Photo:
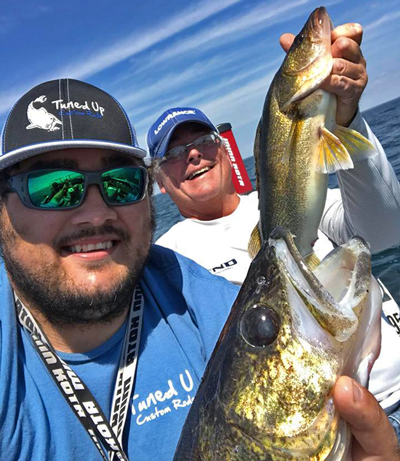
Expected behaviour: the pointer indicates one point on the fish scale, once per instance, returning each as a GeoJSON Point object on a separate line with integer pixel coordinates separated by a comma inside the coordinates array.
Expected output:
{"type": "Point", "coordinates": [266, 392]}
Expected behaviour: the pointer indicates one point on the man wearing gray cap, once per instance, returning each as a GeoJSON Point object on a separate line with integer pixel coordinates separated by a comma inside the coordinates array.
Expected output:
{"type": "Point", "coordinates": [103, 336]}
{"type": "Point", "coordinates": [103, 343]}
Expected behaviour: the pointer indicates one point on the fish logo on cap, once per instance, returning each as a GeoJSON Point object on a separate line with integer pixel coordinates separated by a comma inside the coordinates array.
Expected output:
{"type": "Point", "coordinates": [41, 118]}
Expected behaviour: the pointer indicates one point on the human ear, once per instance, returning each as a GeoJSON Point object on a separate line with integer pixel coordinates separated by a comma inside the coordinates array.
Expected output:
{"type": "Point", "coordinates": [160, 183]}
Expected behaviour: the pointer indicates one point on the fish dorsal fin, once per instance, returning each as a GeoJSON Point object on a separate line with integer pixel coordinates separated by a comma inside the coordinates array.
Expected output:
{"type": "Point", "coordinates": [256, 150]}
{"type": "Point", "coordinates": [254, 244]}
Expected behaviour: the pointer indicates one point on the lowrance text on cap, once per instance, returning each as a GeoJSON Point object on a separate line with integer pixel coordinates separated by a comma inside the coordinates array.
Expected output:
{"type": "Point", "coordinates": [64, 114]}
{"type": "Point", "coordinates": [161, 130]}
{"type": "Point", "coordinates": [172, 114]}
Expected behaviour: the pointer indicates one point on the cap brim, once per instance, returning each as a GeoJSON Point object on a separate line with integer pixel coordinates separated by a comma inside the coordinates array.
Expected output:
{"type": "Point", "coordinates": [17, 155]}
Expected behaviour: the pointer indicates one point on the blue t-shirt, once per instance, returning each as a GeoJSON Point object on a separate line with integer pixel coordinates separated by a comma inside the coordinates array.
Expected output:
{"type": "Point", "coordinates": [185, 309]}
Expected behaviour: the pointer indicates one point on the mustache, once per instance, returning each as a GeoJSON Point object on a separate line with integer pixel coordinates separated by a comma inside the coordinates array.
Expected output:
{"type": "Point", "coordinates": [105, 229]}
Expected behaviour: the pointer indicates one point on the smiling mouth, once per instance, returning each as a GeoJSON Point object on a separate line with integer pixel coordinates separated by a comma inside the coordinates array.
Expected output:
{"type": "Point", "coordinates": [91, 247]}
{"type": "Point", "coordinates": [198, 173]}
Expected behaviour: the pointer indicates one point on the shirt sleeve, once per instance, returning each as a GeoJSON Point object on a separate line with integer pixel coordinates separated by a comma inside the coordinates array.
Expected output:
{"type": "Point", "coordinates": [367, 202]}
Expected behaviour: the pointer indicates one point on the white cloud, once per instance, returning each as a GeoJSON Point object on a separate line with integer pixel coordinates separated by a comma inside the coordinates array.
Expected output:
{"type": "Point", "coordinates": [240, 106]}
{"type": "Point", "coordinates": [123, 49]}
{"type": "Point", "coordinates": [389, 17]}
{"type": "Point", "coordinates": [234, 29]}
{"type": "Point", "coordinates": [137, 43]}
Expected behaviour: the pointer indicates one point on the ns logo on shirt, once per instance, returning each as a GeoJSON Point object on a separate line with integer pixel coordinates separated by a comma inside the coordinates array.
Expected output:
{"type": "Point", "coordinates": [223, 266]}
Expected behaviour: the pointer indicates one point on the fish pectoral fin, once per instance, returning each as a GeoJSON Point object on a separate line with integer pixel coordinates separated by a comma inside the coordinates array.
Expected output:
{"type": "Point", "coordinates": [356, 144]}
{"type": "Point", "coordinates": [332, 154]}
{"type": "Point", "coordinates": [254, 243]}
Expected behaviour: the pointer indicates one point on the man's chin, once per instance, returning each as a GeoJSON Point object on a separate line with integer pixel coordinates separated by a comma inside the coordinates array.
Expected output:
{"type": "Point", "coordinates": [68, 296]}
{"type": "Point", "coordinates": [83, 304]}
{"type": "Point", "coordinates": [97, 280]}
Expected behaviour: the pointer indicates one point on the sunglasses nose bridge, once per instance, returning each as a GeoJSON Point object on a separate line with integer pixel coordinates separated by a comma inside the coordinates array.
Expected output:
{"type": "Point", "coordinates": [94, 178]}
{"type": "Point", "coordinates": [189, 147]}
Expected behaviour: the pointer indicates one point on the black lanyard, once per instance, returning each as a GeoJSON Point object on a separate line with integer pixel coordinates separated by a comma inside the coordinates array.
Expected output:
{"type": "Point", "coordinates": [77, 394]}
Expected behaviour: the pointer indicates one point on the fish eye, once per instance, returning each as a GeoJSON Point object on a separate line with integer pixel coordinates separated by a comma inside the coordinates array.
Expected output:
{"type": "Point", "coordinates": [259, 326]}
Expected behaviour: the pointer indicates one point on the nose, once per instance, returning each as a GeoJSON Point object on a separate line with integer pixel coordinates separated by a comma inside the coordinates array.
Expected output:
{"type": "Point", "coordinates": [193, 155]}
{"type": "Point", "coordinates": [94, 210]}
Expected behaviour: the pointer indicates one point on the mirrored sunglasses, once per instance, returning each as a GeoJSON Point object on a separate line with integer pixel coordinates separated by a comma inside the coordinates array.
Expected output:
{"type": "Point", "coordinates": [202, 144]}
{"type": "Point", "coordinates": [62, 189]}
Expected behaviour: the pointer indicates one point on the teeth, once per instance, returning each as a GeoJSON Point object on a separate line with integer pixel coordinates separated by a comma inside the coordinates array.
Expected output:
{"type": "Point", "coordinates": [90, 247]}
{"type": "Point", "coordinates": [196, 173]}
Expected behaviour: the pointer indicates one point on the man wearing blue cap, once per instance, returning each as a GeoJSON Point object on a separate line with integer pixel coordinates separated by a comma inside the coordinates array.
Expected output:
{"type": "Point", "coordinates": [192, 166]}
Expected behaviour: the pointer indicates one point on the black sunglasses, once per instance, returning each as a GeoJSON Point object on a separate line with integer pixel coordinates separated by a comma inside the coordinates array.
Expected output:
{"type": "Point", "coordinates": [62, 189]}
{"type": "Point", "coordinates": [202, 143]}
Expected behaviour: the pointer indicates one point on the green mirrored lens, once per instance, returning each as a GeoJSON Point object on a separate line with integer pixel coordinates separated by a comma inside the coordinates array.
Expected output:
{"type": "Point", "coordinates": [123, 185]}
{"type": "Point", "coordinates": [55, 189]}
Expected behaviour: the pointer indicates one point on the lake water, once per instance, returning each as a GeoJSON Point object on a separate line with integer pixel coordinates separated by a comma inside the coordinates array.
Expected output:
{"type": "Point", "coordinates": [385, 123]}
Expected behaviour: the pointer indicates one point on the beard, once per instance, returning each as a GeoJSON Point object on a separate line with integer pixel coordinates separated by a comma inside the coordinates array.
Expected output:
{"type": "Point", "coordinates": [67, 304]}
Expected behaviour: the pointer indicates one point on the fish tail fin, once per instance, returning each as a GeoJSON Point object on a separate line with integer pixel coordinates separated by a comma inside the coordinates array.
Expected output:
{"type": "Point", "coordinates": [356, 144]}
{"type": "Point", "coordinates": [332, 154]}
{"type": "Point", "coordinates": [254, 243]}
{"type": "Point", "coordinates": [312, 261]}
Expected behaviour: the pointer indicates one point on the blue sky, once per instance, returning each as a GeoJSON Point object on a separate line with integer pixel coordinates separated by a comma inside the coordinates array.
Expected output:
{"type": "Point", "coordinates": [218, 55]}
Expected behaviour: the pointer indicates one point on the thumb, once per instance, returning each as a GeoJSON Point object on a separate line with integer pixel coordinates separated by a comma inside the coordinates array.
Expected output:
{"type": "Point", "coordinates": [286, 41]}
{"type": "Point", "coordinates": [375, 438]}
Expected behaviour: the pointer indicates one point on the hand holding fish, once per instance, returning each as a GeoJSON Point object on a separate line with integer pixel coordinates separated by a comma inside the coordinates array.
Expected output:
{"type": "Point", "coordinates": [348, 78]}
{"type": "Point", "coordinates": [374, 436]}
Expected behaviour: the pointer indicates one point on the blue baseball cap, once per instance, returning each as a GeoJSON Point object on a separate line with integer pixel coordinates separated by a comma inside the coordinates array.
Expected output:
{"type": "Point", "coordinates": [161, 130]}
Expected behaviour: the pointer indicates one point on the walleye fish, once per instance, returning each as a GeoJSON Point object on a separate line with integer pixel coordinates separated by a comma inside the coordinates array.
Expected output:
{"type": "Point", "coordinates": [298, 142]}
{"type": "Point", "coordinates": [266, 392]}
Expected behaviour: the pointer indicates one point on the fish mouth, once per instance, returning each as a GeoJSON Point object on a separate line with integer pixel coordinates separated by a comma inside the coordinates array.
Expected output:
{"type": "Point", "coordinates": [198, 173]}
{"type": "Point", "coordinates": [331, 295]}
{"type": "Point", "coordinates": [320, 24]}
